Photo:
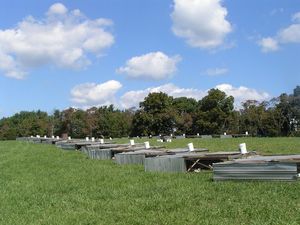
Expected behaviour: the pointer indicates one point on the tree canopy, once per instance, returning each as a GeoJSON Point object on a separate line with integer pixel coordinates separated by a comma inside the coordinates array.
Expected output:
{"type": "Point", "coordinates": [162, 114]}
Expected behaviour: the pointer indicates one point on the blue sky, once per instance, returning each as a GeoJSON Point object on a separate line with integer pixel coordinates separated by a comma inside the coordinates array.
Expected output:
{"type": "Point", "coordinates": [83, 53]}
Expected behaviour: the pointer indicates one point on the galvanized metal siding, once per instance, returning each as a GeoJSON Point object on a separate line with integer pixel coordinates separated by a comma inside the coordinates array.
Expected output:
{"type": "Point", "coordinates": [206, 136]}
{"type": "Point", "coordinates": [68, 146]}
{"type": "Point", "coordinates": [226, 136]}
{"type": "Point", "coordinates": [100, 154]}
{"type": "Point", "coordinates": [92, 147]}
{"type": "Point", "coordinates": [255, 171]}
{"type": "Point", "coordinates": [103, 154]}
{"type": "Point", "coordinates": [123, 158]}
{"type": "Point", "coordinates": [165, 164]}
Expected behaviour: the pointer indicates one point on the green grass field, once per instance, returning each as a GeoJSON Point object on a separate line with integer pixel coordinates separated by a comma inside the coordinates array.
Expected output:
{"type": "Point", "coordinates": [40, 184]}
{"type": "Point", "coordinates": [261, 145]}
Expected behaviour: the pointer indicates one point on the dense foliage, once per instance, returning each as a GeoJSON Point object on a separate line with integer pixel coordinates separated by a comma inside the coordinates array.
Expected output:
{"type": "Point", "coordinates": [163, 114]}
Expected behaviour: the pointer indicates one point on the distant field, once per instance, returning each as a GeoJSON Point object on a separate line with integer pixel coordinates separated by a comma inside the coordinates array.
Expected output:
{"type": "Point", "coordinates": [282, 145]}
{"type": "Point", "coordinates": [40, 184]}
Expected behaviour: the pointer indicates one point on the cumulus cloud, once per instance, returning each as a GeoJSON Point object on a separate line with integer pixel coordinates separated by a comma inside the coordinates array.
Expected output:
{"type": "Point", "coordinates": [216, 71]}
{"type": "Point", "coordinates": [290, 34]}
{"type": "Point", "coordinates": [152, 66]}
{"type": "Point", "coordinates": [92, 94]}
{"type": "Point", "coordinates": [287, 35]}
{"type": "Point", "coordinates": [57, 8]}
{"type": "Point", "coordinates": [10, 66]}
{"type": "Point", "coordinates": [202, 23]}
{"type": "Point", "coordinates": [63, 38]}
{"type": "Point", "coordinates": [133, 98]}
{"type": "Point", "coordinates": [242, 94]}
{"type": "Point", "coordinates": [269, 44]}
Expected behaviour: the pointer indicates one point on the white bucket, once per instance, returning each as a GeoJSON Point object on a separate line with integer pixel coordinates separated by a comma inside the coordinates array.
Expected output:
{"type": "Point", "coordinates": [131, 142]}
{"type": "Point", "coordinates": [247, 133]}
{"type": "Point", "coordinates": [225, 133]}
{"type": "Point", "coordinates": [198, 134]}
{"type": "Point", "coordinates": [45, 136]}
{"type": "Point", "coordinates": [93, 139]}
{"type": "Point", "coordinates": [147, 145]}
{"type": "Point", "coordinates": [243, 148]}
{"type": "Point", "coordinates": [69, 138]}
{"type": "Point", "coordinates": [101, 141]}
{"type": "Point", "coordinates": [191, 147]}
{"type": "Point", "coordinates": [87, 139]}
{"type": "Point", "coordinates": [57, 137]}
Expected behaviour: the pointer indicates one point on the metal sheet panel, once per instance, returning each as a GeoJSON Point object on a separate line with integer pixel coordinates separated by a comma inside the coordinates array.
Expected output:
{"type": "Point", "coordinates": [206, 136]}
{"type": "Point", "coordinates": [123, 158]}
{"type": "Point", "coordinates": [226, 136]}
{"type": "Point", "coordinates": [271, 158]}
{"type": "Point", "coordinates": [68, 146]}
{"type": "Point", "coordinates": [100, 154]}
{"type": "Point", "coordinates": [166, 164]}
{"type": "Point", "coordinates": [103, 154]}
{"type": "Point", "coordinates": [138, 156]}
{"type": "Point", "coordinates": [255, 171]}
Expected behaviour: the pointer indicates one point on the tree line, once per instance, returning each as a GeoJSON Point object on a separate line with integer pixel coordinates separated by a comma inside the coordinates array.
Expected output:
{"type": "Point", "coordinates": [160, 114]}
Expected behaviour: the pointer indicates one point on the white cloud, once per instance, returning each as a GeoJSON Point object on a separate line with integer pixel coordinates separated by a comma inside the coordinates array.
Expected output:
{"type": "Point", "coordinates": [216, 71]}
{"type": "Point", "coordinates": [10, 67]}
{"type": "Point", "coordinates": [57, 8]}
{"type": "Point", "coordinates": [153, 66]}
{"type": "Point", "coordinates": [63, 38]}
{"type": "Point", "coordinates": [288, 35]}
{"type": "Point", "coordinates": [242, 94]}
{"type": "Point", "coordinates": [268, 44]}
{"type": "Point", "coordinates": [133, 98]}
{"type": "Point", "coordinates": [92, 94]}
{"type": "Point", "coordinates": [296, 17]}
{"type": "Point", "coordinates": [202, 23]}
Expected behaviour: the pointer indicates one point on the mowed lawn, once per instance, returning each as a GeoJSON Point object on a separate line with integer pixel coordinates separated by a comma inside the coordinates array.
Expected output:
{"type": "Point", "coordinates": [40, 184]}
{"type": "Point", "coordinates": [265, 146]}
